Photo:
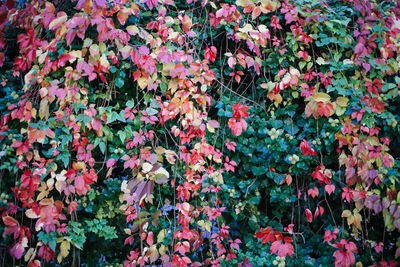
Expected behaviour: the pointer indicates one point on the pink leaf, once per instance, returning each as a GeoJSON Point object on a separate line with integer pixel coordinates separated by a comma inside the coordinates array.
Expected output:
{"type": "Point", "coordinates": [96, 124]}
{"type": "Point", "coordinates": [17, 250]}
{"type": "Point", "coordinates": [282, 249]}
{"type": "Point", "coordinates": [110, 163]}
{"type": "Point", "coordinates": [329, 188]}
{"type": "Point", "coordinates": [232, 62]}
{"type": "Point", "coordinates": [79, 183]}
{"type": "Point", "coordinates": [149, 239]}
{"type": "Point", "coordinates": [313, 192]}
{"type": "Point", "coordinates": [214, 123]}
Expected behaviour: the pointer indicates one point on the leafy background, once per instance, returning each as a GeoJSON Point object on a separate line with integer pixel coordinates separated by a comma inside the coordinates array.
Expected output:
{"type": "Point", "coordinates": [225, 138]}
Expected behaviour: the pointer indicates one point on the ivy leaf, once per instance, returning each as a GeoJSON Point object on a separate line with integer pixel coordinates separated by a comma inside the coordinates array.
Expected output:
{"type": "Point", "coordinates": [79, 183]}
{"type": "Point", "coordinates": [149, 239]}
{"type": "Point", "coordinates": [102, 147]}
{"type": "Point", "coordinates": [279, 178]}
{"type": "Point", "coordinates": [282, 248]}
{"type": "Point", "coordinates": [329, 188]}
{"type": "Point", "coordinates": [64, 250]}
{"type": "Point", "coordinates": [119, 82]}
{"type": "Point", "coordinates": [309, 215]}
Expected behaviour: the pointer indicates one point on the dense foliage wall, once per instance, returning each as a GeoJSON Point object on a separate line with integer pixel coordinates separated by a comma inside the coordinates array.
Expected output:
{"type": "Point", "coordinates": [201, 133]}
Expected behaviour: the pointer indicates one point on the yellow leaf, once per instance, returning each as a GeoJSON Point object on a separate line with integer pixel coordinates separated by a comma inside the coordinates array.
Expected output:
{"type": "Point", "coordinates": [357, 220]}
{"type": "Point", "coordinates": [161, 235]}
{"type": "Point", "coordinates": [162, 250]}
{"type": "Point", "coordinates": [263, 29]}
{"type": "Point", "coordinates": [75, 54]}
{"type": "Point", "coordinates": [162, 171]}
{"type": "Point", "coordinates": [132, 30]}
{"type": "Point", "coordinates": [350, 220]}
{"type": "Point", "coordinates": [142, 81]}
{"type": "Point", "coordinates": [241, 3]}
{"type": "Point", "coordinates": [210, 128]}
{"type": "Point", "coordinates": [147, 167]}
{"type": "Point", "coordinates": [342, 101]}
{"type": "Point", "coordinates": [42, 57]}
{"type": "Point", "coordinates": [247, 27]}
{"type": "Point", "coordinates": [321, 97]}
{"type": "Point", "coordinates": [55, 23]}
{"type": "Point", "coordinates": [94, 50]}
{"type": "Point", "coordinates": [219, 179]}
{"type": "Point", "coordinates": [64, 250]}
{"type": "Point", "coordinates": [173, 35]}
{"type": "Point", "coordinates": [127, 231]}
{"type": "Point", "coordinates": [205, 226]}
{"type": "Point", "coordinates": [87, 42]}
{"type": "Point", "coordinates": [34, 112]}
{"type": "Point", "coordinates": [44, 109]}
{"type": "Point", "coordinates": [278, 98]}
{"type": "Point", "coordinates": [28, 256]}
{"type": "Point", "coordinates": [346, 213]}
{"type": "Point", "coordinates": [42, 195]}
{"type": "Point", "coordinates": [102, 47]}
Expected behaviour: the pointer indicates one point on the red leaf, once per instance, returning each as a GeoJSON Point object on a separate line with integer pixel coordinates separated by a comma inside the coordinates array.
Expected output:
{"type": "Point", "coordinates": [237, 126]}
{"type": "Point", "coordinates": [309, 215]}
{"type": "Point", "coordinates": [210, 53]}
{"type": "Point", "coordinates": [313, 192]}
{"type": "Point", "coordinates": [266, 234]}
{"type": "Point", "coordinates": [16, 144]}
{"type": "Point", "coordinates": [240, 111]}
{"type": "Point", "coordinates": [305, 148]}
{"type": "Point", "coordinates": [319, 211]}
{"type": "Point", "coordinates": [329, 236]}
{"type": "Point", "coordinates": [13, 226]}
{"type": "Point", "coordinates": [237, 78]}
{"type": "Point", "coordinates": [282, 248]}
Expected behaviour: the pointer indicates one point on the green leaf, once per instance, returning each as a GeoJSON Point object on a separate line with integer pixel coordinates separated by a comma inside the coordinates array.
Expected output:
{"type": "Point", "coordinates": [257, 171]}
{"type": "Point", "coordinates": [102, 147]}
{"type": "Point", "coordinates": [278, 178]}
{"type": "Point", "coordinates": [119, 82]}
{"type": "Point", "coordinates": [302, 64]}
{"type": "Point", "coordinates": [276, 124]}
{"type": "Point", "coordinates": [122, 136]}
{"type": "Point", "coordinates": [113, 69]}
{"type": "Point", "coordinates": [130, 104]}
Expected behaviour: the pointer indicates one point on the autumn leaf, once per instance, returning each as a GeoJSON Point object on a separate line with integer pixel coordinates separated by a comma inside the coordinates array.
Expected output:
{"type": "Point", "coordinates": [313, 192]}
{"type": "Point", "coordinates": [266, 235]}
{"type": "Point", "coordinates": [79, 183]}
{"type": "Point", "coordinates": [149, 238]}
{"type": "Point", "coordinates": [12, 226]}
{"type": "Point", "coordinates": [309, 215]}
{"type": "Point", "coordinates": [329, 188]}
{"type": "Point", "coordinates": [283, 248]}
{"type": "Point", "coordinates": [55, 23]}
{"type": "Point", "coordinates": [64, 250]}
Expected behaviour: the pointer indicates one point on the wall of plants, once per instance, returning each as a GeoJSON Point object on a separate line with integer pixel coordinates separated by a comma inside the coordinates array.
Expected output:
{"type": "Point", "coordinates": [199, 133]}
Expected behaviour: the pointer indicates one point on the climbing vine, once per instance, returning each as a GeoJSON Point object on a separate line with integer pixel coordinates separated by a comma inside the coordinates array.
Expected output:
{"type": "Point", "coordinates": [199, 133]}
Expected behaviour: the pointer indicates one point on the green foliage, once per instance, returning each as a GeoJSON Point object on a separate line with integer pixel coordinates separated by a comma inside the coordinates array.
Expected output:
{"type": "Point", "coordinates": [151, 132]}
